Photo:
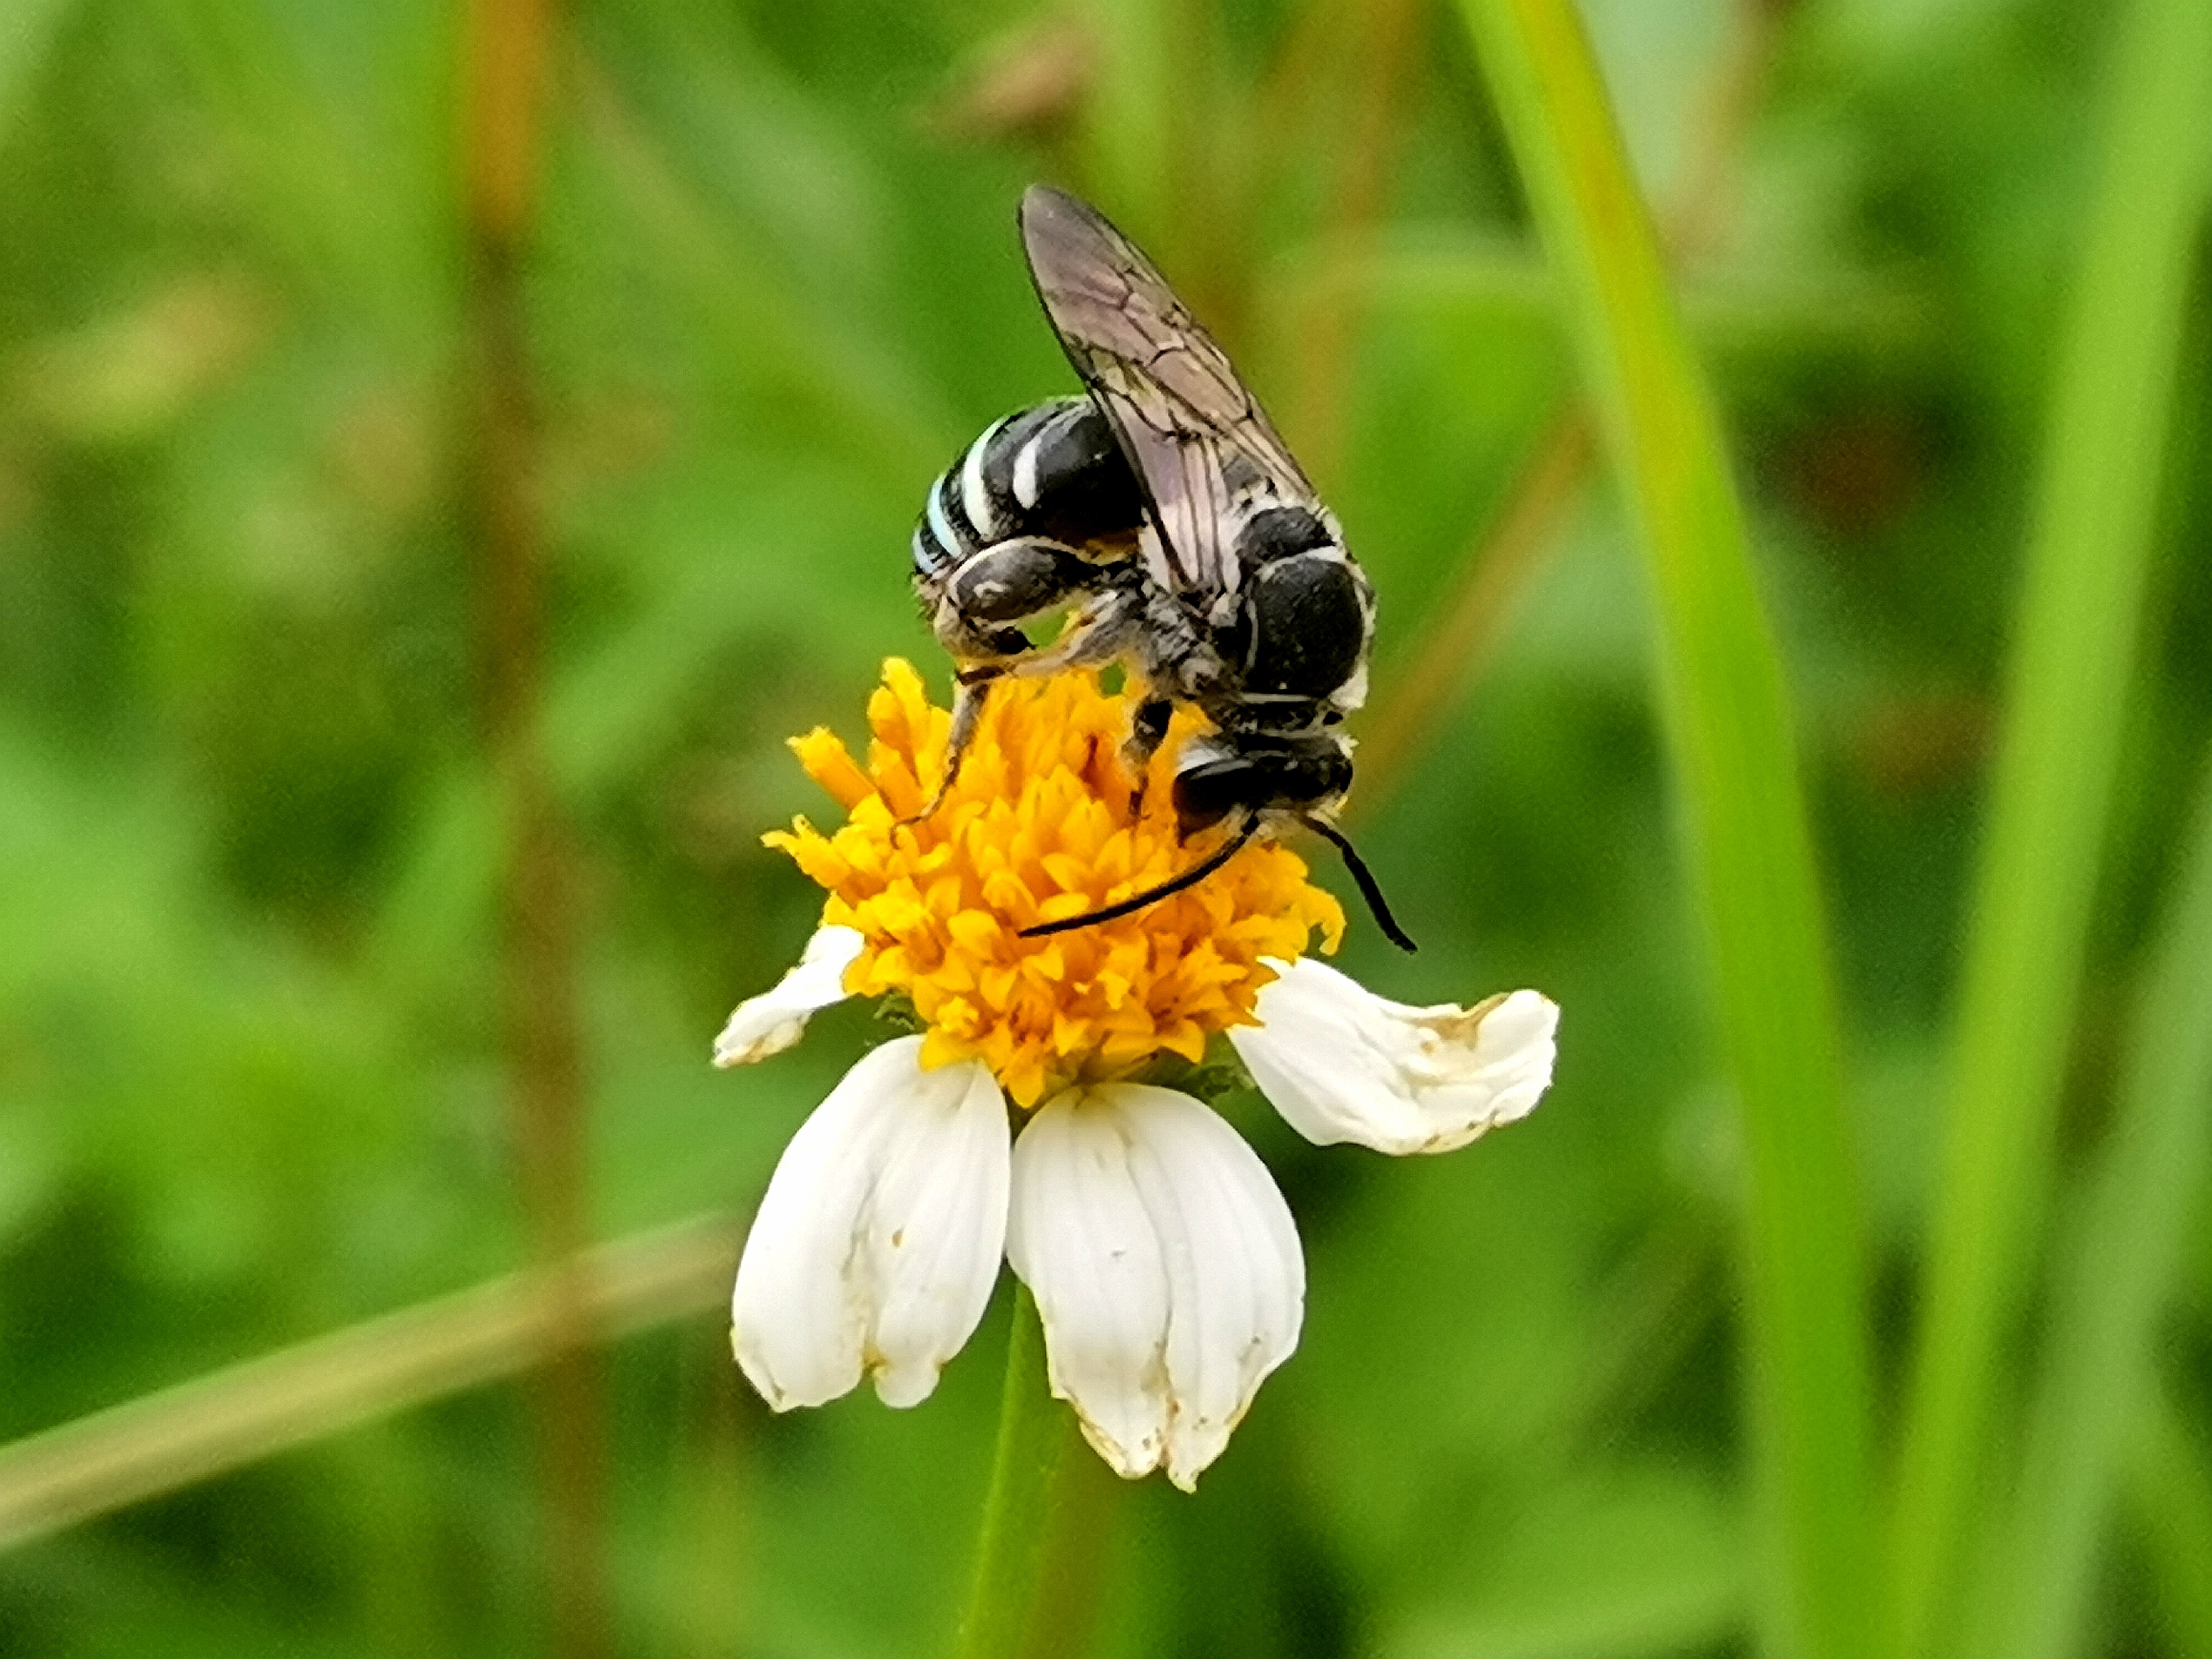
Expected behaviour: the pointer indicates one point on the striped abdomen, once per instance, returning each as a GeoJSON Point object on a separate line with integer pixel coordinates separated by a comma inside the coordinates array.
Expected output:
{"type": "Point", "coordinates": [1053, 472]}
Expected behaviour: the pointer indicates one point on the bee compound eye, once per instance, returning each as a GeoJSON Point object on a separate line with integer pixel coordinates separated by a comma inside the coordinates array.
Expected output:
{"type": "Point", "coordinates": [1206, 793]}
{"type": "Point", "coordinates": [1307, 777]}
{"type": "Point", "coordinates": [1332, 773]}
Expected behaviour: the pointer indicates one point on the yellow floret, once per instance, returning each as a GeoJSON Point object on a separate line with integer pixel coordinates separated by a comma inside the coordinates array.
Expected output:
{"type": "Point", "coordinates": [1038, 828]}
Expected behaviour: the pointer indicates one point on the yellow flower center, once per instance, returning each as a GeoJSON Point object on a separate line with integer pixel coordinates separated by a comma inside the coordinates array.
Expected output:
{"type": "Point", "coordinates": [1038, 828]}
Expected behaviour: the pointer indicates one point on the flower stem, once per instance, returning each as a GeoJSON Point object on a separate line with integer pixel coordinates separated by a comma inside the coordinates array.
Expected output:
{"type": "Point", "coordinates": [1029, 1480]}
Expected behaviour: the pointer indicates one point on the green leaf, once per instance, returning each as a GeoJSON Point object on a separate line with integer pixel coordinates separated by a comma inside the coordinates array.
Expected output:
{"type": "Point", "coordinates": [2118, 1275]}
{"type": "Point", "coordinates": [26, 34]}
{"type": "Point", "coordinates": [2073, 653]}
{"type": "Point", "coordinates": [1736, 759]}
{"type": "Point", "coordinates": [2170, 1487]}
{"type": "Point", "coordinates": [1639, 1562]}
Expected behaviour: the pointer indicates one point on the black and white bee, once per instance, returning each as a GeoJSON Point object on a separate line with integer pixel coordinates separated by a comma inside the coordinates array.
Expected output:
{"type": "Point", "coordinates": [1165, 514]}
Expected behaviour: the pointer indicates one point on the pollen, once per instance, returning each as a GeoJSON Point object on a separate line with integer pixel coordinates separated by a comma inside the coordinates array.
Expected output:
{"type": "Point", "coordinates": [1039, 827]}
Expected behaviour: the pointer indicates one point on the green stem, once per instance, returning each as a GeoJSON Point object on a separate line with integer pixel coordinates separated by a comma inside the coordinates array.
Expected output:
{"type": "Point", "coordinates": [1029, 1478]}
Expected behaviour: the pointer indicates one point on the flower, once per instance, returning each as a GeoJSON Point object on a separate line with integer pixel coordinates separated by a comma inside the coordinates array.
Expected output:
{"type": "Point", "coordinates": [1165, 1265]}
{"type": "Point", "coordinates": [1037, 827]}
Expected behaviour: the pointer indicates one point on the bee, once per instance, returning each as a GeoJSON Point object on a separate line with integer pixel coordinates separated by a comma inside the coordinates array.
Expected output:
{"type": "Point", "coordinates": [1164, 513]}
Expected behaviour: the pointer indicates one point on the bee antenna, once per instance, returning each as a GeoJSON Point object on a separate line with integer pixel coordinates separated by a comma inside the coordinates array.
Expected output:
{"type": "Point", "coordinates": [1190, 877]}
{"type": "Point", "coordinates": [1370, 888]}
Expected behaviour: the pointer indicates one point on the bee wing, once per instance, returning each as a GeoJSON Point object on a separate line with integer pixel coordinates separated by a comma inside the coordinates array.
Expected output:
{"type": "Point", "coordinates": [1192, 431]}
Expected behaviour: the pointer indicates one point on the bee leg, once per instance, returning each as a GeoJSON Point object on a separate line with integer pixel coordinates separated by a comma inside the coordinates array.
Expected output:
{"type": "Point", "coordinates": [1101, 633]}
{"type": "Point", "coordinates": [970, 687]}
{"type": "Point", "coordinates": [1148, 729]}
{"type": "Point", "coordinates": [1009, 582]}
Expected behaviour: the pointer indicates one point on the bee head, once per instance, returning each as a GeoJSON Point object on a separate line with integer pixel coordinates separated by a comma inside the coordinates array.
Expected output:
{"type": "Point", "coordinates": [1299, 776]}
{"type": "Point", "coordinates": [1252, 778]}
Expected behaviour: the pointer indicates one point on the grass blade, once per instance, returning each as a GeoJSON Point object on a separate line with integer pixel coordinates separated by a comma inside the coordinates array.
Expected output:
{"type": "Point", "coordinates": [2097, 1375]}
{"type": "Point", "coordinates": [2170, 1491]}
{"type": "Point", "coordinates": [2074, 650]}
{"type": "Point", "coordinates": [1728, 723]}
{"type": "Point", "coordinates": [293, 1397]}
{"type": "Point", "coordinates": [25, 34]}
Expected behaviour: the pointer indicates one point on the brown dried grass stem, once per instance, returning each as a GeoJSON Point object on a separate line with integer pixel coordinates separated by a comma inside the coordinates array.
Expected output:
{"type": "Point", "coordinates": [295, 1396]}
{"type": "Point", "coordinates": [1513, 544]}
{"type": "Point", "coordinates": [1381, 106]}
{"type": "Point", "coordinates": [1495, 571]}
{"type": "Point", "coordinates": [504, 91]}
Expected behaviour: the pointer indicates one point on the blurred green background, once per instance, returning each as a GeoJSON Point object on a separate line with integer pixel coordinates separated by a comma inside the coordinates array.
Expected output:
{"type": "Point", "coordinates": [256, 340]}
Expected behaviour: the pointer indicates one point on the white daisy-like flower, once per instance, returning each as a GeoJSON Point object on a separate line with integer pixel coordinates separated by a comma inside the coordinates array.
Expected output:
{"type": "Point", "coordinates": [1164, 1262]}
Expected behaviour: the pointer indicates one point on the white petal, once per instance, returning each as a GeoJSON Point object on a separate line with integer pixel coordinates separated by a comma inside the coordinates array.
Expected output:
{"type": "Point", "coordinates": [1165, 1266]}
{"type": "Point", "coordinates": [877, 1242]}
{"type": "Point", "coordinates": [1342, 1064]}
{"type": "Point", "coordinates": [771, 1022]}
